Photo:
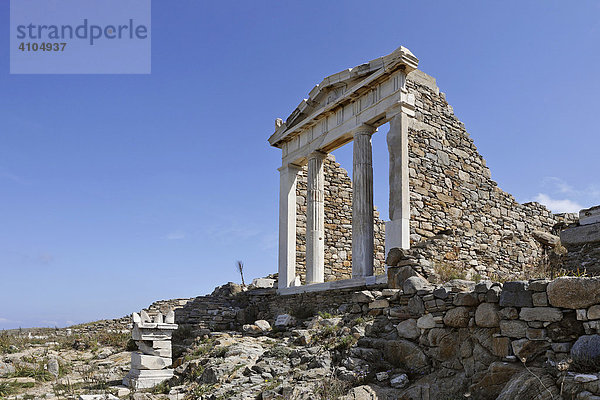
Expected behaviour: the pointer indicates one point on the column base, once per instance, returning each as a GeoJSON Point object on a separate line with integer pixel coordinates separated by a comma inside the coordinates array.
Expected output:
{"type": "Point", "coordinates": [397, 234]}
{"type": "Point", "coordinates": [146, 378]}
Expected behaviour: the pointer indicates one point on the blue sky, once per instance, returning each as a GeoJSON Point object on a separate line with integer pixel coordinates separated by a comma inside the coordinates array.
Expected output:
{"type": "Point", "coordinates": [118, 190]}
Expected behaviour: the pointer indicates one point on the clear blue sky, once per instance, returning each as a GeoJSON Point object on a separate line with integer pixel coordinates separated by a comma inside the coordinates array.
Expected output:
{"type": "Point", "coordinates": [116, 191]}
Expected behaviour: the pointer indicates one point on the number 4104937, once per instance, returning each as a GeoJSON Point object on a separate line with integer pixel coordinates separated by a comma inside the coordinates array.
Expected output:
{"type": "Point", "coordinates": [42, 46]}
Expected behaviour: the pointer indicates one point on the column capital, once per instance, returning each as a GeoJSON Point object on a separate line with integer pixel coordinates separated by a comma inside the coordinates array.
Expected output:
{"type": "Point", "coordinates": [364, 129]}
{"type": "Point", "coordinates": [317, 154]}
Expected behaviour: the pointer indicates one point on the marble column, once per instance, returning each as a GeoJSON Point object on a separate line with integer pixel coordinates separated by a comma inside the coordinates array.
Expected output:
{"type": "Point", "coordinates": [315, 219]}
{"type": "Point", "coordinates": [362, 203]}
{"type": "Point", "coordinates": [397, 230]}
{"type": "Point", "coordinates": [287, 224]}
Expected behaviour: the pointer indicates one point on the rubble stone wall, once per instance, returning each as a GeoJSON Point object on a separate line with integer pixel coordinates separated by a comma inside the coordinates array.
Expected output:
{"type": "Point", "coordinates": [481, 334]}
{"type": "Point", "coordinates": [489, 232]}
{"type": "Point", "coordinates": [338, 225]}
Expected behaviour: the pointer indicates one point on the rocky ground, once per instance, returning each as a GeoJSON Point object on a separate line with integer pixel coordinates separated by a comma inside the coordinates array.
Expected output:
{"type": "Point", "coordinates": [55, 363]}
{"type": "Point", "coordinates": [322, 356]}
{"type": "Point", "coordinates": [259, 362]}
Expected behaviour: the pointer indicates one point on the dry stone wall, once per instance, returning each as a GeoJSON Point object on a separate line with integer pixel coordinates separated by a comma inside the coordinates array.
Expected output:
{"type": "Point", "coordinates": [338, 225]}
{"type": "Point", "coordinates": [488, 232]}
{"type": "Point", "coordinates": [464, 336]}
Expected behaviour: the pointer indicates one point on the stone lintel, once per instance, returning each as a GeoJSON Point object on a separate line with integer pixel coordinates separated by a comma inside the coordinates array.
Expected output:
{"type": "Point", "coordinates": [589, 216]}
{"type": "Point", "coordinates": [581, 234]}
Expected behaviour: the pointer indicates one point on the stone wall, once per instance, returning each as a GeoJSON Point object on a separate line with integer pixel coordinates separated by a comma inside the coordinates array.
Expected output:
{"type": "Point", "coordinates": [581, 240]}
{"type": "Point", "coordinates": [488, 233]}
{"type": "Point", "coordinates": [338, 225]}
{"type": "Point", "coordinates": [464, 336]}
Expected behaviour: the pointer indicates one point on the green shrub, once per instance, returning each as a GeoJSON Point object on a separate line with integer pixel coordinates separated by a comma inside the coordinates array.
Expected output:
{"type": "Point", "coordinates": [280, 352]}
{"type": "Point", "coordinates": [161, 388]}
{"type": "Point", "coordinates": [345, 342]}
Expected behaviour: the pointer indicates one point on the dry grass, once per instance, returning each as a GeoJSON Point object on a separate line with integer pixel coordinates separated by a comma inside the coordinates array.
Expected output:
{"type": "Point", "coordinates": [448, 271]}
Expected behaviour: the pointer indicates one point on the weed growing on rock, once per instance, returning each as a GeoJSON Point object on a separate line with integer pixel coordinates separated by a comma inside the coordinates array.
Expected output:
{"type": "Point", "coordinates": [32, 370]}
{"type": "Point", "coordinates": [325, 315]}
{"type": "Point", "coordinates": [6, 389]}
{"type": "Point", "coordinates": [331, 388]}
{"type": "Point", "coordinates": [281, 352]}
{"type": "Point", "coordinates": [161, 388]}
{"type": "Point", "coordinates": [448, 271]}
{"type": "Point", "coordinates": [345, 343]}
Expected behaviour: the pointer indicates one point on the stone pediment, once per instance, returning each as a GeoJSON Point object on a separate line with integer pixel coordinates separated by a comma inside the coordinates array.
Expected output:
{"type": "Point", "coordinates": [343, 86]}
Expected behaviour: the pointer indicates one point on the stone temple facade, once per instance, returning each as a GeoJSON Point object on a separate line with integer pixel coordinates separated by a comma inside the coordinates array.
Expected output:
{"type": "Point", "coordinates": [441, 191]}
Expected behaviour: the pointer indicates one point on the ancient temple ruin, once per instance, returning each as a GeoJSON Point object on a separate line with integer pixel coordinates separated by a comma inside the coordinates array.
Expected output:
{"type": "Point", "coordinates": [439, 184]}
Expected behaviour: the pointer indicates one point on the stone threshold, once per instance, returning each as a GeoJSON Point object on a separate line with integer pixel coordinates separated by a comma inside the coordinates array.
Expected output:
{"type": "Point", "coordinates": [365, 281]}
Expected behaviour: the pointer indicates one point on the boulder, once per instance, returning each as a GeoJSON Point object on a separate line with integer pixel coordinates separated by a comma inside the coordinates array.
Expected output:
{"type": "Point", "coordinates": [395, 255]}
{"type": "Point", "coordinates": [545, 238]}
{"type": "Point", "coordinates": [6, 369]}
{"type": "Point", "coordinates": [262, 283]}
{"type": "Point", "coordinates": [493, 295]}
{"type": "Point", "coordinates": [527, 350]}
{"type": "Point", "coordinates": [382, 376]}
{"type": "Point", "coordinates": [457, 317]}
{"type": "Point", "coordinates": [364, 296]}
{"type": "Point", "coordinates": [251, 328]}
{"type": "Point", "coordinates": [406, 354]}
{"type": "Point", "coordinates": [415, 283]}
{"type": "Point", "coordinates": [364, 392]}
{"type": "Point", "coordinates": [572, 292]}
{"type": "Point", "coordinates": [53, 367]}
{"type": "Point", "coordinates": [446, 344]}
{"type": "Point", "coordinates": [466, 299]}
{"type": "Point", "coordinates": [263, 325]}
{"type": "Point", "coordinates": [586, 352]}
{"type": "Point", "coordinates": [487, 316]}
{"type": "Point", "coordinates": [483, 286]}
{"type": "Point", "coordinates": [539, 285]}
{"type": "Point", "coordinates": [397, 276]}
{"type": "Point", "coordinates": [534, 384]}
{"type": "Point", "coordinates": [585, 378]}
{"type": "Point", "coordinates": [460, 285]}
{"type": "Point", "coordinates": [379, 304]}
{"type": "Point", "coordinates": [399, 381]}
{"type": "Point", "coordinates": [513, 328]}
{"type": "Point", "coordinates": [416, 306]}
{"type": "Point", "coordinates": [515, 297]}
{"type": "Point", "coordinates": [426, 322]}
{"type": "Point", "coordinates": [489, 385]}
{"type": "Point", "coordinates": [545, 314]}
{"type": "Point", "coordinates": [408, 329]}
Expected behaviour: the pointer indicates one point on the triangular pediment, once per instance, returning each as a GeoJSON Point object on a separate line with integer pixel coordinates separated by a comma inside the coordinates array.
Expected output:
{"type": "Point", "coordinates": [335, 86]}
